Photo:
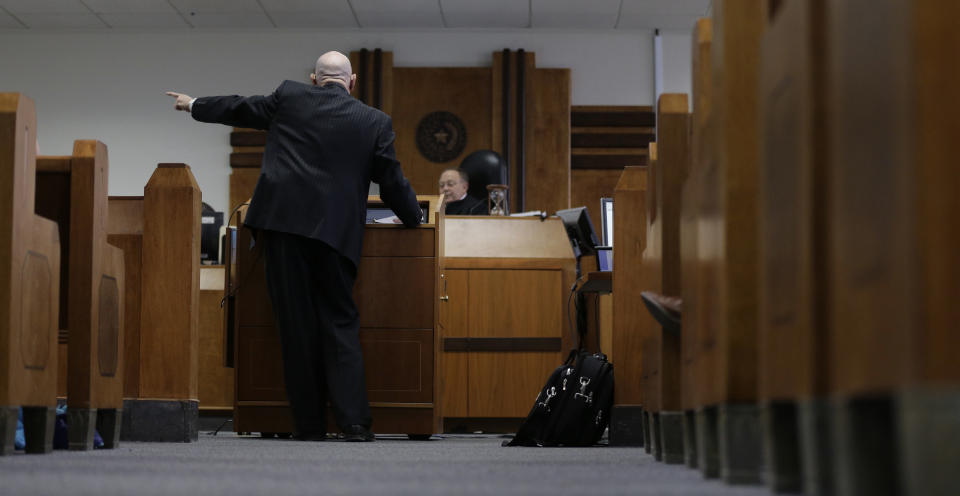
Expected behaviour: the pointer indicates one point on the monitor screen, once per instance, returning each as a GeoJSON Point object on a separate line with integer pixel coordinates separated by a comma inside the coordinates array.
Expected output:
{"type": "Point", "coordinates": [580, 230]}
{"type": "Point", "coordinates": [606, 216]}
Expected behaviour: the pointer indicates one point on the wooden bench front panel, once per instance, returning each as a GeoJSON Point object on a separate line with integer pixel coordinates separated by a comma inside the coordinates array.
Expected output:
{"type": "Point", "coordinates": [894, 233]}
{"type": "Point", "coordinates": [29, 266]}
{"type": "Point", "coordinates": [793, 267]}
{"type": "Point", "coordinates": [690, 259]}
{"type": "Point", "coordinates": [630, 234]}
{"type": "Point", "coordinates": [738, 27]}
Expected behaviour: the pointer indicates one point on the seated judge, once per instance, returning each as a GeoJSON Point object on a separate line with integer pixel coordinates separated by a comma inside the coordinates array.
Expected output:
{"type": "Point", "coordinates": [453, 186]}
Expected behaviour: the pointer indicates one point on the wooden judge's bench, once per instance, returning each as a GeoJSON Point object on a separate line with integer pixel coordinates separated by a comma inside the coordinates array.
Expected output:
{"type": "Point", "coordinates": [461, 320]}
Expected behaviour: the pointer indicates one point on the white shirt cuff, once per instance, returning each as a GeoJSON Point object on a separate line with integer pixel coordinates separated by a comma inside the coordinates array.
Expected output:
{"type": "Point", "coordinates": [190, 105]}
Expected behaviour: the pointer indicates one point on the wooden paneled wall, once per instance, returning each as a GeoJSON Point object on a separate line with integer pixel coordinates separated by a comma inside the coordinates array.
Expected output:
{"type": "Point", "coordinates": [604, 140]}
{"type": "Point", "coordinates": [462, 91]}
{"type": "Point", "coordinates": [511, 107]}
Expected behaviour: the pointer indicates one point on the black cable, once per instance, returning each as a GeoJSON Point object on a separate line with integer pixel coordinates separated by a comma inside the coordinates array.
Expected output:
{"type": "Point", "coordinates": [596, 317]}
{"type": "Point", "coordinates": [573, 330]}
{"type": "Point", "coordinates": [231, 293]}
{"type": "Point", "coordinates": [214, 433]}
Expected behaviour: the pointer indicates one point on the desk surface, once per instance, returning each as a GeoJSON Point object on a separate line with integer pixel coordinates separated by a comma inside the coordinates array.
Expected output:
{"type": "Point", "coordinates": [598, 282]}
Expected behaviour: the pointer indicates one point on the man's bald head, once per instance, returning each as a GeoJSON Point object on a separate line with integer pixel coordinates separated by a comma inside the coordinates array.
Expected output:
{"type": "Point", "coordinates": [334, 67]}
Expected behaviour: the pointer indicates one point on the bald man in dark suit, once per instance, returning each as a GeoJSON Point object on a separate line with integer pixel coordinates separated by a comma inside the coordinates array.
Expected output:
{"type": "Point", "coordinates": [323, 149]}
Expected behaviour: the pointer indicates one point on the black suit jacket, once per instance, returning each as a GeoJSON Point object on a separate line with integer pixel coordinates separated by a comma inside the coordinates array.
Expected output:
{"type": "Point", "coordinates": [323, 149]}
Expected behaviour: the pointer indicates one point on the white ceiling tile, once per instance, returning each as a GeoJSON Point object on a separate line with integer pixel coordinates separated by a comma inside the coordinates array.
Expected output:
{"type": "Point", "coordinates": [664, 7]}
{"type": "Point", "coordinates": [393, 14]}
{"type": "Point", "coordinates": [44, 21]}
{"type": "Point", "coordinates": [44, 6]}
{"type": "Point", "coordinates": [658, 21]}
{"type": "Point", "coordinates": [597, 14]}
{"type": "Point", "coordinates": [218, 6]}
{"type": "Point", "coordinates": [129, 6]}
{"type": "Point", "coordinates": [486, 14]}
{"type": "Point", "coordinates": [145, 20]}
{"type": "Point", "coordinates": [229, 20]}
{"type": "Point", "coordinates": [310, 13]}
{"type": "Point", "coordinates": [305, 5]}
{"type": "Point", "coordinates": [313, 20]}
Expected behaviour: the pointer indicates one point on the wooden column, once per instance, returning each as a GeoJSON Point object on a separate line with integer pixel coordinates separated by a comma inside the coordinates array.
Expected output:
{"type": "Point", "coordinates": [166, 408]}
{"type": "Point", "coordinates": [531, 130]}
{"type": "Point", "coordinates": [374, 70]}
{"type": "Point", "coordinates": [894, 273]}
{"type": "Point", "coordinates": [29, 286]}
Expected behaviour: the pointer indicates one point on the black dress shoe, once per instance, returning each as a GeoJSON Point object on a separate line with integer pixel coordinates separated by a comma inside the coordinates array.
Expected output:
{"type": "Point", "coordinates": [357, 433]}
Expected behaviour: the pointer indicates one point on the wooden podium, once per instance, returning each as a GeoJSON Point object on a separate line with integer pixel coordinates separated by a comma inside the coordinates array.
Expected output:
{"type": "Point", "coordinates": [395, 292]}
{"type": "Point", "coordinates": [504, 286]}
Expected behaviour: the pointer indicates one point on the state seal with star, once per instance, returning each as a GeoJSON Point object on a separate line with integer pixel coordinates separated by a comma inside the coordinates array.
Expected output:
{"type": "Point", "coordinates": [441, 136]}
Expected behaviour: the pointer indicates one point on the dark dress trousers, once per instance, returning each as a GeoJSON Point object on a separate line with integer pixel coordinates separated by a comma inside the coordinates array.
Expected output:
{"type": "Point", "coordinates": [323, 149]}
{"type": "Point", "coordinates": [469, 205]}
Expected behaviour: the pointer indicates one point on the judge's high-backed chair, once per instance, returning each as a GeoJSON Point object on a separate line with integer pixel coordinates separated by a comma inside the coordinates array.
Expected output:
{"type": "Point", "coordinates": [483, 167]}
{"type": "Point", "coordinates": [72, 191]}
{"type": "Point", "coordinates": [29, 286]}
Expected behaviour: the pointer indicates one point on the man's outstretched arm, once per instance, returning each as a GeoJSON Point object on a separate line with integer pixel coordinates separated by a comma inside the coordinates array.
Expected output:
{"type": "Point", "coordinates": [238, 111]}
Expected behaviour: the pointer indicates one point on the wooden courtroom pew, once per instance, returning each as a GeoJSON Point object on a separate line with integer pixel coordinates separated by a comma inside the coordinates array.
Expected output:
{"type": "Point", "coordinates": [160, 236]}
{"type": "Point", "coordinates": [630, 232]}
{"type": "Point", "coordinates": [29, 287]}
{"type": "Point", "coordinates": [893, 237]}
{"type": "Point", "coordinates": [730, 421]}
{"type": "Point", "coordinates": [649, 330]}
{"type": "Point", "coordinates": [690, 198]}
{"type": "Point", "coordinates": [72, 191]}
{"type": "Point", "coordinates": [794, 268]}
{"type": "Point", "coordinates": [669, 172]}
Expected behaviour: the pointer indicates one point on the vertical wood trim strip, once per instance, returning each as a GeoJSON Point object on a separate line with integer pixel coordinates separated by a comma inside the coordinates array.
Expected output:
{"type": "Point", "coordinates": [362, 76]}
{"type": "Point", "coordinates": [378, 78]}
{"type": "Point", "coordinates": [505, 64]}
{"type": "Point", "coordinates": [521, 119]}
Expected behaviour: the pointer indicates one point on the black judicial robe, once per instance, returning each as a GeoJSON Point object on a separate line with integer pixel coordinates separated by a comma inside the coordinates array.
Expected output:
{"type": "Point", "coordinates": [469, 205]}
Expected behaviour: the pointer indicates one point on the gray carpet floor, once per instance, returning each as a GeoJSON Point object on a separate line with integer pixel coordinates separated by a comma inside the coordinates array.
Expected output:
{"type": "Point", "coordinates": [233, 465]}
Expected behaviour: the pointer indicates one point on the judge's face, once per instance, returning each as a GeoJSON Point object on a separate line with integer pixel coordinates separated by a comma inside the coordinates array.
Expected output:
{"type": "Point", "coordinates": [452, 187]}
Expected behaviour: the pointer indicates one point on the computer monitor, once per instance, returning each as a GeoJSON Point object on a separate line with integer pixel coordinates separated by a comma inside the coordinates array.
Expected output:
{"type": "Point", "coordinates": [579, 228]}
{"type": "Point", "coordinates": [606, 219]}
{"type": "Point", "coordinates": [210, 222]}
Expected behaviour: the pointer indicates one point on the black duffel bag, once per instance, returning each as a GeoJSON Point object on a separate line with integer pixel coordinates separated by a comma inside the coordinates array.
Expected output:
{"type": "Point", "coordinates": [573, 408]}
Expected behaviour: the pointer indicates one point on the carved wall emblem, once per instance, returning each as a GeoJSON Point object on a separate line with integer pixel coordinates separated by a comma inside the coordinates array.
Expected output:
{"type": "Point", "coordinates": [441, 136]}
